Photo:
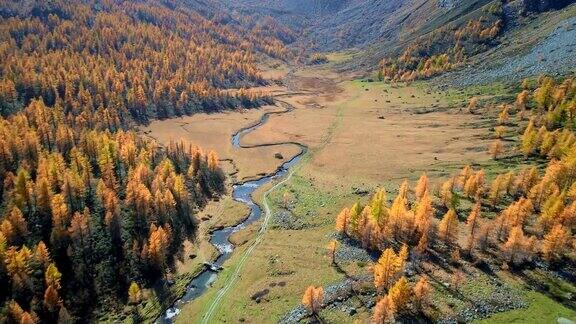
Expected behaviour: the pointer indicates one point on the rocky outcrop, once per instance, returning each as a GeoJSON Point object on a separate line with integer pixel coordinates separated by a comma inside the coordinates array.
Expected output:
{"type": "Point", "coordinates": [523, 7]}
{"type": "Point", "coordinates": [515, 9]}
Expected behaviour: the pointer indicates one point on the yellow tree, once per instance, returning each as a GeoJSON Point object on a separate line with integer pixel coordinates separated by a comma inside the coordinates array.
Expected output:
{"type": "Point", "coordinates": [134, 293]}
{"type": "Point", "coordinates": [472, 223]}
{"type": "Point", "coordinates": [446, 193]}
{"type": "Point", "coordinates": [503, 116]}
{"type": "Point", "coordinates": [51, 296]}
{"type": "Point", "coordinates": [421, 186]}
{"type": "Point", "coordinates": [555, 243]}
{"type": "Point", "coordinates": [42, 254]}
{"type": "Point", "coordinates": [212, 161]}
{"type": "Point", "coordinates": [497, 188]}
{"type": "Point", "coordinates": [52, 276]}
{"type": "Point", "coordinates": [472, 104]}
{"type": "Point", "coordinates": [313, 299]}
{"type": "Point", "coordinates": [423, 214]}
{"type": "Point", "coordinates": [422, 244]}
{"type": "Point", "coordinates": [517, 248]}
{"type": "Point", "coordinates": [384, 311]}
{"type": "Point", "coordinates": [386, 270]}
{"type": "Point", "coordinates": [499, 131]}
{"type": "Point", "coordinates": [19, 224]}
{"type": "Point", "coordinates": [158, 243]}
{"type": "Point", "coordinates": [332, 250]}
{"type": "Point", "coordinates": [400, 294]}
{"type": "Point", "coordinates": [28, 318]}
{"type": "Point", "coordinates": [448, 228]}
{"type": "Point", "coordinates": [422, 291]}
{"type": "Point", "coordinates": [521, 100]}
{"type": "Point", "coordinates": [496, 148]}
{"type": "Point", "coordinates": [18, 264]}
{"type": "Point", "coordinates": [529, 139]}
{"type": "Point", "coordinates": [402, 257]}
{"type": "Point", "coordinates": [475, 184]}
{"type": "Point", "coordinates": [342, 221]}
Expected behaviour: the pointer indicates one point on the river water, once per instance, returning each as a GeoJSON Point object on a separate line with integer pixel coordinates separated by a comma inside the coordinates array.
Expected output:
{"type": "Point", "coordinates": [220, 238]}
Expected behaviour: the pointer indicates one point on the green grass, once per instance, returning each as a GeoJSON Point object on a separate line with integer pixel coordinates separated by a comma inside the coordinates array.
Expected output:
{"type": "Point", "coordinates": [342, 56]}
{"type": "Point", "coordinates": [306, 199]}
{"type": "Point", "coordinates": [541, 309]}
{"type": "Point", "coordinates": [557, 288]}
{"type": "Point", "coordinates": [488, 94]}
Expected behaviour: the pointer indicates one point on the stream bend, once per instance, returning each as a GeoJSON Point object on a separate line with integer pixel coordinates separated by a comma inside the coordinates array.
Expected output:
{"type": "Point", "coordinates": [241, 192]}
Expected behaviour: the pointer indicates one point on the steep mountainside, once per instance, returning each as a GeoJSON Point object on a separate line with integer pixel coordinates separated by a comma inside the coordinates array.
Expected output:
{"type": "Point", "coordinates": [383, 29]}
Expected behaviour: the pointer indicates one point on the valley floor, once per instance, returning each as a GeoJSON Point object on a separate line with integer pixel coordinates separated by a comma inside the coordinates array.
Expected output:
{"type": "Point", "coordinates": [361, 135]}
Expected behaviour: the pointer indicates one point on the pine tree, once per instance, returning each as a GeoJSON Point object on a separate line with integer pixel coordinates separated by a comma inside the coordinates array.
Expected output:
{"type": "Point", "coordinates": [423, 214]}
{"type": "Point", "coordinates": [504, 115]}
{"type": "Point", "coordinates": [472, 223]}
{"type": "Point", "coordinates": [472, 104]}
{"type": "Point", "coordinates": [402, 257]}
{"type": "Point", "coordinates": [521, 100]}
{"type": "Point", "coordinates": [422, 291]}
{"type": "Point", "coordinates": [448, 228]}
{"type": "Point", "coordinates": [313, 299]}
{"type": "Point", "coordinates": [27, 318]}
{"type": "Point", "coordinates": [529, 139]}
{"type": "Point", "coordinates": [422, 244]}
{"type": "Point", "coordinates": [42, 254]}
{"type": "Point", "coordinates": [342, 221]}
{"type": "Point", "coordinates": [446, 193]}
{"type": "Point", "coordinates": [18, 224]}
{"type": "Point", "coordinates": [384, 311]}
{"type": "Point", "coordinates": [499, 131]}
{"type": "Point", "coordinates": [18, 265]}
{"type": "Point", "coordinates": [332, 246]}
{"type": "Point", "coordinates": [134, 293]}
{"type": "Point", "coordinates": [400, 294]}
{"type": "Point", "coordinates": [51, 298]}
{"type": "Point", "coordinates": [421, 186]}
{"type": "Point", "coordinates": [158, 243]}
{"type": "Point", "coordinates": [517, 247]}
{"type": "Point", "coordinates": [386, 270]}
{"type": "Point", "coordinates": [212, 161]}
{"type": "Point", "coordinates": [496, 149]}
{"type": "Point", "coordinates": [52, 276]}
{"type": "Point", "coordinates": [555, 243]}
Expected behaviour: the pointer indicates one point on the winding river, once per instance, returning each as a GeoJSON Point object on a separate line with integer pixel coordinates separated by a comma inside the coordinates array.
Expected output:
{"type": "Point", "coordinates": [241, 192]}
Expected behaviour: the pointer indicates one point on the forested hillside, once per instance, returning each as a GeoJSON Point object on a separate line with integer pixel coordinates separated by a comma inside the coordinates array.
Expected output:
{"type": "Point", "coordinates": [89, 209]}
{"type": "Point", "coordinates": [122, 60]}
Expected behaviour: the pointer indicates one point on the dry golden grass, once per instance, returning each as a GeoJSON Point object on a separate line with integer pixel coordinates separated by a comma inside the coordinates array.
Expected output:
{"type": "Point", "coordinates": [214, 132]}
{"type": "Point", "coordinates": [374, 132]}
